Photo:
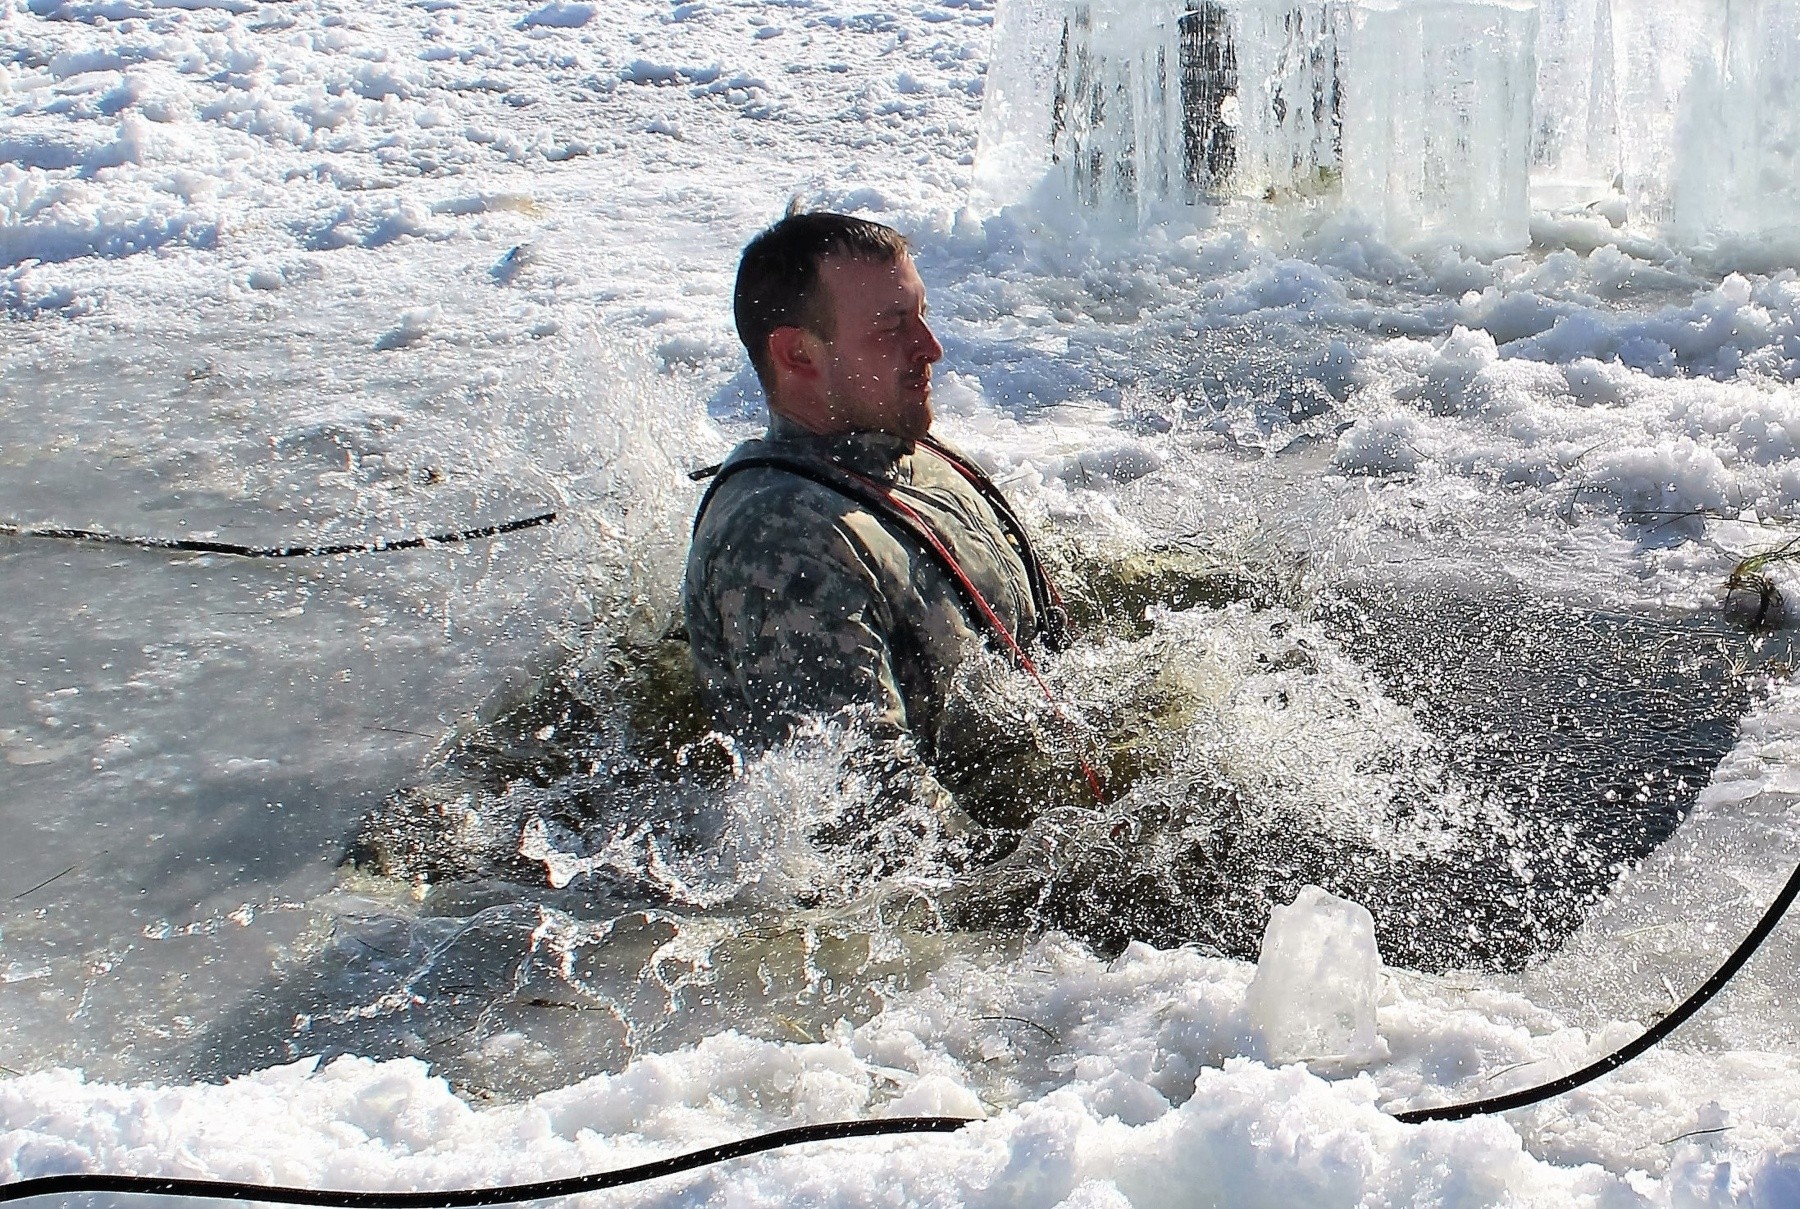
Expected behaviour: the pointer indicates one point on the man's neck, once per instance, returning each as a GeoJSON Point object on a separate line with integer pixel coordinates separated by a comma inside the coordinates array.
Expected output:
{"type": "Point", "coordinates": [873, 452]}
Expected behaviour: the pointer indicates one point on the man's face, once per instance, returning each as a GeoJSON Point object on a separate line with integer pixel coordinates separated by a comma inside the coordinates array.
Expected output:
{"type": "Point", "coordinates": [877, 366]}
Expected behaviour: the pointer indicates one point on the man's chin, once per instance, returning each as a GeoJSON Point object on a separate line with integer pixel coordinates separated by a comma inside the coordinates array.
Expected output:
{"type": "Point", "coordinates": [918, 422]}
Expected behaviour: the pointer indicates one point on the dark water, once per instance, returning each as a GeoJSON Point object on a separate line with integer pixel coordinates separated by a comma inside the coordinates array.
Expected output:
{"type": "Point", "coordinates": [1566, 742]}
{"type": "Point", "coordinates": [1594, 729]}
{"type": "Point", "coordinates": [1587, 732]}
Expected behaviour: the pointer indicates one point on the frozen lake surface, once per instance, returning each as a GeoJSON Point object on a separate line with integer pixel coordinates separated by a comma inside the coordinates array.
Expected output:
{"type": "Point", "coordinates": [277, 273]}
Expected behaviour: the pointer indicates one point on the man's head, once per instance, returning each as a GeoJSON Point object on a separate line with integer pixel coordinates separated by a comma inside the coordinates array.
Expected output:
{"type": "Point", "coordinates": [832, 313]}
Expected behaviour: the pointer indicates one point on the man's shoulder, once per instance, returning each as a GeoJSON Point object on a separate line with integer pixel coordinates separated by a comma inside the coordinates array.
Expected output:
{"type": "Point", "coordinates": [759, 507]}
{"type": "Point", "coordinates": [760, 487]}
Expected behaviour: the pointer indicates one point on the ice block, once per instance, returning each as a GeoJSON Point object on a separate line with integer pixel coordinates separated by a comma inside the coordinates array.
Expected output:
{"type": "Point", "coordinates": [1438, 119]}
{"type": "Point", "coordinates": [1128, 104]}
{"type": "Point", "coordinates": [1279, 108]}
{"type": "Point", "coordinates": [1667, 56]}
{"type": "Point", "coordinates": [1709, 104]}
{"type": "Point", "coordinates": [1116, 129]}
{"type": "Point", "coordinates": [1575, 128]}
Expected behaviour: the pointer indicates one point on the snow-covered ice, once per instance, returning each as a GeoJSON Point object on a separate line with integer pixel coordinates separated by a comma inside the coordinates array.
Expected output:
{"type": "Point", "coordinates": [303, 271]}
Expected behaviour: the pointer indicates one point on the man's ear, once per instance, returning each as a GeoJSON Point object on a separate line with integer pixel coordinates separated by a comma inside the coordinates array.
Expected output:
{"type": "Point", "coordinates": [795, 350]}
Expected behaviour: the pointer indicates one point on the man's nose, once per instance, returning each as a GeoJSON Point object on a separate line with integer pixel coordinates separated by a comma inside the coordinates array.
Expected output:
{"type": "Point", "coordinates": [926, 348]}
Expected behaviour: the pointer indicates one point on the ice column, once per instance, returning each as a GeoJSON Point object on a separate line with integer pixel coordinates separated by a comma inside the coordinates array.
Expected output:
{"type": "Point", "coordinates": [1127, 104]}
{"type": "Point", "coordinates": [1438, 120]}
{"type": "Point", "coordinates": [1667, 58]}
{"type": "Point", "coordinates": [1575, 130]}
{"type": "Point", "coordinates": [1116, 111]}
{"type": "Point", "coordinates": [1265, 122]}
{"type": "Point", "coordinates": [1709, 99]}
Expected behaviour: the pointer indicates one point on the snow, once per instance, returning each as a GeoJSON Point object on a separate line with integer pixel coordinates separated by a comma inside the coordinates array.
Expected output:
{"type": "Point", "coordinates": [321, 273]}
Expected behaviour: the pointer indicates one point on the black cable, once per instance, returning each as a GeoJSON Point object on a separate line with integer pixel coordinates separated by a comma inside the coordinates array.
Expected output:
{"type": "Point", "coordinates": [1619, 1057]}
{"type": "Point", "coordinates": [223, 1190]}
{"type": "Point", "coordinates": [192, 546]}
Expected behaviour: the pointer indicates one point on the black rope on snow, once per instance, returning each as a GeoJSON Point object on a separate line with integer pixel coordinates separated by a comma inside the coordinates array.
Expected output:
{"type": "Point", "coordinates": [1625, 1053]}
{"type": "Point", "coordinates": [83, 1184]}
{"type": "Point", "coordinates": [195, 546]}
{"type": "Point", "coordinates": [76, 1185]}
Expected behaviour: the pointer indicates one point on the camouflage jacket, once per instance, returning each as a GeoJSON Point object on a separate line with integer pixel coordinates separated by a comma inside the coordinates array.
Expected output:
{"type": "Point", "coordinates": [802, 601]}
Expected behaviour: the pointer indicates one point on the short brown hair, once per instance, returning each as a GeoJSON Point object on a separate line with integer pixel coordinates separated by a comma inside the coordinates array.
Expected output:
{"type": "Point", "coordinates": [778, 277]}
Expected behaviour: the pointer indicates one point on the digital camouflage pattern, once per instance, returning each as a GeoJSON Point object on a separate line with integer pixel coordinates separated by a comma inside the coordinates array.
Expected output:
{"type": "Point", "coordinates": [802, 603]}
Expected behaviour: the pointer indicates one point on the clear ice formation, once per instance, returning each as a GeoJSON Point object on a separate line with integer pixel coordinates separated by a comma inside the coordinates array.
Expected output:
{"type": "Point", "coordinates": [1709, 108]}
{"type": "Point", "coordinates": [1437, 120]}
{"type": "Point", "coordinates": [1129, 104]}
{"type": "Point", "coordinates": [1441, 121]}
{"type": "Point", "coordinates": [1117, 110]}
{"type": "Point", "coordinates": [1318, 979]}
{"type": "Point", "coordinates": [1575, 128]}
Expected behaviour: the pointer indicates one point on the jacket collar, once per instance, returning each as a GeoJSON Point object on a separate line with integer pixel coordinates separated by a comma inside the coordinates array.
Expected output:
{"type": "Point", "coordinates": [879, 455]}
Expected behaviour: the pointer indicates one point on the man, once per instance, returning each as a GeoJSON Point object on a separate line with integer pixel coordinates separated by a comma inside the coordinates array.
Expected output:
{"type": "Point", "coordinates": [847, 563]}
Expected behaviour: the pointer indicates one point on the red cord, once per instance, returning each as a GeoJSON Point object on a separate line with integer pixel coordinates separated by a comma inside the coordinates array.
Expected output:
{"type": "Point", "coordinates": [925, 531]}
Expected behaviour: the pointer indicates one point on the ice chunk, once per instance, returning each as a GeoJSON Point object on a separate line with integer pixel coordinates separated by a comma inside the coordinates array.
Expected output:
{"type": "Point", "coordinates": [1709, 98]}
{"type": "Point", "coordinates": [1013, 136]}
{"type": "Point", "coordinates": [1262, 84]}
{"type": "Point", "coordinates": [1116, 121]}
{"type": "Point", "coordinates": [1575, 129]}
{"type": "Point", "coordinates": [1317, 979]}
{"type": "Point", "coordinates": [1437, 120]}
